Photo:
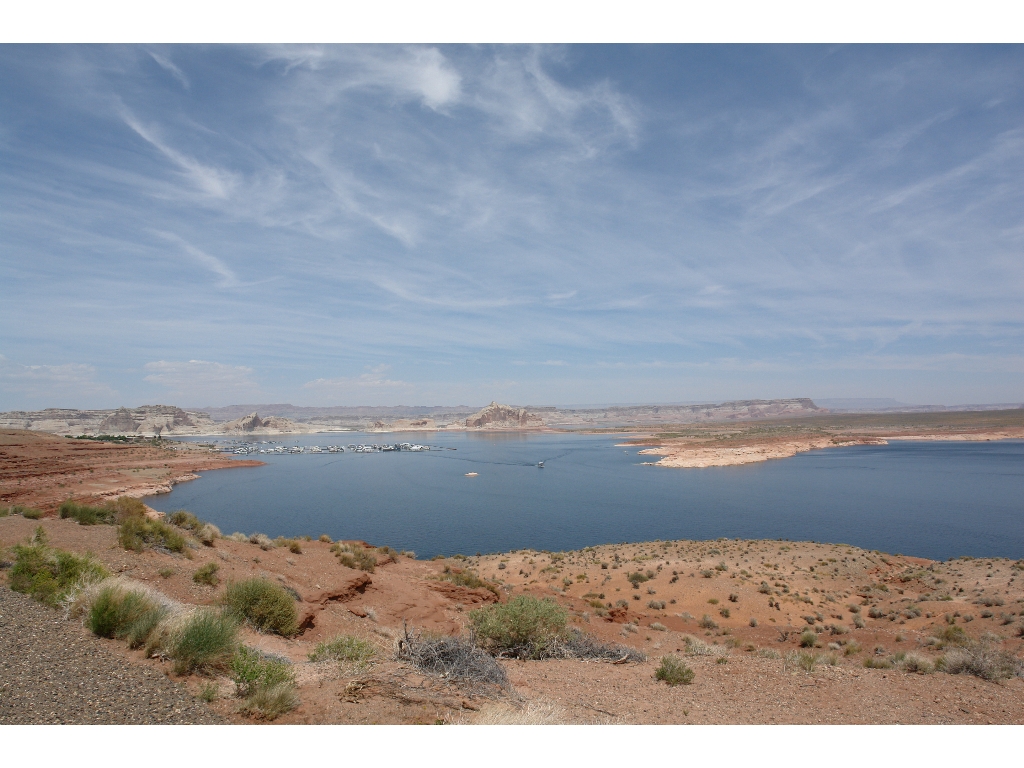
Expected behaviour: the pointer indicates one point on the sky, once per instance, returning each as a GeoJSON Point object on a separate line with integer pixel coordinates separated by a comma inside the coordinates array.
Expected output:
{"type": "Point", "coordinates": [441, 225]}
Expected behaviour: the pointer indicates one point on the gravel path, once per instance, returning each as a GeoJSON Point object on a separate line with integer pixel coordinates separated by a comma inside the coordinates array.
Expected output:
{"type": "Point", "coordinates": [50, 672]}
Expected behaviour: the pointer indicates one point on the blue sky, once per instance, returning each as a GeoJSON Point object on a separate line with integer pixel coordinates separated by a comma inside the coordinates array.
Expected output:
{"type": "Point", "coordinates": [360, 225]}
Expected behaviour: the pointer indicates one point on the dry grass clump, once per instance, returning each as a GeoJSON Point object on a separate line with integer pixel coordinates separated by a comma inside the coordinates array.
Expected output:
{"type": "Point", "coordinates": [266, 683]}
{"type": "Point", "coordinates": [948, 636]}
{"type": "Point", "coordinates": [579, 645]}
{"type": "Point", "coordinates": [261, 540]}
{"type": "Point", "coordinates": [674, 671]}
{"type": "Point", "coordinates": [264, 605]}
{"type": "Point", "coordinates": [344, 648]}
{"type": "Point", "coordinates": [531, 713]}
{"type": "Point", "coordinates": [138, 533]}
{"type": "Point", "coordinates": [123, 611]}
{"type": "Point", "coordinates": [354, 556]}
{"type": "Point", "coordinates": [29, 513]}
{"type": "Point", "coordinates": [293, 545]}
{"type": "Point", "coordinates": [464, 577]}
{"type": "Point", "coordinates": [452, 657]}
{"type": "Point", "coordinates": [49, 575]}
{"type": "Point", "coordinates": [697, 647]}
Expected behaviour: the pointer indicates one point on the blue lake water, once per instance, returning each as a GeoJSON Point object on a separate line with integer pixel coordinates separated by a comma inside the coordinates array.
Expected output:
{"type": "Point", "coordinates": [929, 499]}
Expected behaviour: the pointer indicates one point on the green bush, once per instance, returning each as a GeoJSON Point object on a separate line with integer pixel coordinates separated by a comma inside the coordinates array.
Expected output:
{"type": "Point", "coordinates": [138, 533]}
{"type": "Point", "coordinates": [48, 574]}
{"type": "Point", "coordinates": [674, 671]}
{"type": "Point", "coordinates": [186, 520]}
{"type": "Point", "coordinates": [950, 635]}
{"type": "Point", "coordinates": [85, 514]}
{"type": "Point", "coordinates": [205, 643]}
{"type": "Point", "coordinates": [524, 627]}
{"type": "Point", "coordinates": [29, 513]}
{"type": "Point", "coordinates": [124, 614]}
{"type": "Point", "coordinates": [808, 639]}
{"type": "Point", "coordinates": [266, 606]}
{"type": "Point", "coordinates": [207, 574]}
{"type": "Point", "coordinates": [267, 684]}
{"type": "Point", "coordinates": [343, 648]}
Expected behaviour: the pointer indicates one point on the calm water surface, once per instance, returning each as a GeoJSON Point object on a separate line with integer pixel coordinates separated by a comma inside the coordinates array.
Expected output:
{"type": "Point", "coordinates": [936, 500]}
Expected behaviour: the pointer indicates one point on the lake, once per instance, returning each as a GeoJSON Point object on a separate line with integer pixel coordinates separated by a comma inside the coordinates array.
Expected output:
{"type": "Point", "coordinates": [929, 499]}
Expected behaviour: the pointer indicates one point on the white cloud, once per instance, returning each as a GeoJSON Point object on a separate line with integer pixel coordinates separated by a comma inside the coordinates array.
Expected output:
{"type": "Point", "coordinates": [189, 381]}
{"type": "Point", "coordinates": [373, 379]}
{"type": "Point", "coordinates": [228, 278]}
{"type": "Point", "coordinates": [171, 68]}
{"type": "Point", "coordinates": [214, 182]}
{"type": "Point", "coordinates": [43, 386]}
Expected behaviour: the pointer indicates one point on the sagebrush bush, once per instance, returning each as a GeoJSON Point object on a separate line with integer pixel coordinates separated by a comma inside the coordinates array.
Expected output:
{"type": "Point", "coordinates": [950, 635]}
{"type": "Point", "coordinates": [29, 513]}
{"type": "Point", "coordinates": [138, 533]}
{"type": "Point", "coordinates": [343, 648]}
{"type": "Point", "coordinates": [706, 622]}
{"type": "Point", "coordinates": [524, 627]}
{"type": "Point", "coordinates": [264, 605]}
{"type": "Point", "coordinates": [251, 671]}
{"type": "Point", "coordinates": [85, 514]}
{"type": "Point", "coordinates": [261, 540]}
{"type": "Point", "coordinates": [204, 643]}
{"type": "Point", "coordinates": [48, 574]}
{"type": "Point", "coordinates": [207, 574]}
{"type": "Point", "coordinates": [808, 639]}
{"type": "Point", "coordinates": [674, 671]}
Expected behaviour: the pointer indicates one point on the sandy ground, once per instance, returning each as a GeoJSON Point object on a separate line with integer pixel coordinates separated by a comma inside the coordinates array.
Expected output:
{"type": "Point", "coordinates": [41, 470]}
{"type": "Point", "coordinates": [710, 590]}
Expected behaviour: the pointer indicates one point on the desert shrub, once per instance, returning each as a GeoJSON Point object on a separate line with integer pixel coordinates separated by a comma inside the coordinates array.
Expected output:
{"type": "Point", "coordinates": [343, 648]}
{"type": "Point", "coordinates": [207, 574]}
{"type": "Point", "coordinates": [851, 648]}
{"type": "Point", "coordinates": [261, 540]}
{"type": "Point", "coordinates": [239, 537]}
{"type": "Point", "coordinates": [658, 626]}
{"type": "Point", "coordinates": [674, 671]}
{"type": "Point", "coordinates": [982, 660]}
{"type": "Point", "coordinates": [803, 659]}
{"type": "Point", "coordinates": [858, 622]}
{"type": "Point", "coordinates": [267, 684]}
{"type": "Point", "coordinates": [838, 629]}
{"type": "Point", "coordinates": [138, 533]}
{"type": "Point", "coordinates": [49, 575]}
{"type": "Point", "coordinates": [706, 622]}
{"type": "Point", "coordinates": [579, 645]}
{"type": "Point", "coordinates": [5, 511]}
{"type": "Point", "coordinates": [124, 507]}
{"type": "Point", "coordinates": [752, 622]}
{"type": "Point", "coordinates": [636, 579]}
{"type": "Point", "coordinates": [466, 578]}
{"type": "Point", "coordinates": [950, 635]}
{"type": "Point", "coordinates": [266, 606]}
{"type": "Point", "coordinates": [166, 572]}
{"type": "Point", "coordinates": [768, 653]}
{"type": "Point", "coordinates": [524, 627]}
{"type": "Point", "coordinates": [85, 514]}
{"type": "Point", "coordinates": [125, 614]}
{"type": "Point", "coordinates": [808, 639]}
{"type": "Point", "coordinates": [734, 598]}
{"type": "Point", "coordinates": [872, 662]}
{"type": "Point", "coordinates": [657, 605]}
{"type": "Point", "coordinates": [185, 519]}
{"type": "Point", "coordinates": [764, 589]}
{"type": "Point", "coordinates": [204, 643]}
{"type": "Point", "coordinates": [209, 692]}
{"type": "Point", "coordinates": [724, 612]}
{"type": "Point", "coordinates": [29, 513]}
{"type": "Point", "coordinates": [913, 662]}
{"type": "Point", "coordinates": [354, 556]}
{"type": "Point", "coordinates": [208, 534]}
{"type": "Point", "coordinates": [875, 612]}
{"type": "Point", "coordinates": [325, 539]}
{"type": "Point", "coordinates": [452, 657]}
{"type": "Point", "coordinates": [697, 647]}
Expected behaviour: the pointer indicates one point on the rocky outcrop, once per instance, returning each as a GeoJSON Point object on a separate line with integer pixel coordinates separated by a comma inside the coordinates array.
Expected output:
{"type": "Point", "coordinates": [254, 424]}
{"type": "Point", "coordinates": [146, 420]}
{"type": "Point", "coordinates": [497, 416]}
